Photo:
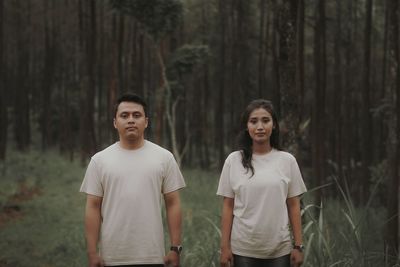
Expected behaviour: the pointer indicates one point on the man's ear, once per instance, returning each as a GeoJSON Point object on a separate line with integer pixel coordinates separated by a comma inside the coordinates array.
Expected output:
{"type": "Point", "coordinates": [147, 122]}
{"type": "Point", "coordinates": [114, 123]}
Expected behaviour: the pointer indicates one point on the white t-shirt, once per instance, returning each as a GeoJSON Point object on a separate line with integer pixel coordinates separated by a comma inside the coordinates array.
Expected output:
{"type": "Point", "coordinates": [131, 183]}
{"type": "Point", "coordinates": [260, 226]}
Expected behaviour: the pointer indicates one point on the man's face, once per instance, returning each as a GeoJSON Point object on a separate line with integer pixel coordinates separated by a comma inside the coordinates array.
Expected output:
{"type": "Point", "coordinates": [130, 121]}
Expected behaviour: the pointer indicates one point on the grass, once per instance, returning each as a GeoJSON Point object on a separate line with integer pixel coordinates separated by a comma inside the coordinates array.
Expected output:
{"type": "Point", "coordinates": [50, 229]}
{"type": "Point", "coordinates": [47, 227]}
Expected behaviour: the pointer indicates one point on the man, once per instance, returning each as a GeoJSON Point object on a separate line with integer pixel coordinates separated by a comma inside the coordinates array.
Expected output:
{"type": "Point", "coordinates": [124, 184]}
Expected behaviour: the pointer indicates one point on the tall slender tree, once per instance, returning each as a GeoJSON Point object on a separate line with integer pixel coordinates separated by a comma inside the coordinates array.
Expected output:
{"type": "Point", "coordinates": [318, 111]}
{"type": "Point", "coordinates": [392, 231]}
{"type": "Point", "coordinates": [287, 73]}
{"type": "Point", "coordinates": [3, 92]}
{"type": "Point", "coordinates": [88, 83]}
{"type": "Point", "coordinates": [22, 86]}
{"type": "Point", "coordinates": [366, 96]}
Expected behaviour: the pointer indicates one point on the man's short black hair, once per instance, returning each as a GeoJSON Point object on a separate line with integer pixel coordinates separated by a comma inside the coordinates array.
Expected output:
{"type": "Point", "coordinates": [130, 97]}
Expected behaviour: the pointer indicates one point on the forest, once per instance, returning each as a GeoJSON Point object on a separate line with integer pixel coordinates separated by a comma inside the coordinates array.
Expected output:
{"type": "Point", "coordinates": [331, 68]}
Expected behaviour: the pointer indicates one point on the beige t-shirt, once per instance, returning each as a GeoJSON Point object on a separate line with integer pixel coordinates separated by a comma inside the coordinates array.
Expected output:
{"type": "Point", "coordinates": [261, 223]}
{"type": "Point", "coordinates": [131, 183]}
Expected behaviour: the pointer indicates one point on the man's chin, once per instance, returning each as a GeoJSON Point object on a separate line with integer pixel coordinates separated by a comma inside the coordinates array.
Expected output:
{"type": "Point", "coordinates": [132, 137]}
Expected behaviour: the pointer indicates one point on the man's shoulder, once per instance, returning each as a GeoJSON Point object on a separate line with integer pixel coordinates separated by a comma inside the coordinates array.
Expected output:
{"type": "Point", "coordinates": [105, 152]}
{"type": "Point", "coordinates": [158, 150]}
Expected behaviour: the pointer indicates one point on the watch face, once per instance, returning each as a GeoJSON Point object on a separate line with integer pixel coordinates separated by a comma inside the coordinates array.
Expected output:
{"type": "Point", "coordinates": [177, 249]}
{"type": "Point", "coordinates": [299, 247]}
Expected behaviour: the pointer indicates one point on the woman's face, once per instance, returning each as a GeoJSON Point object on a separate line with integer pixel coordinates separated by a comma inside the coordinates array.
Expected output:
{"type": "Point", "coordinates": [260, 125]}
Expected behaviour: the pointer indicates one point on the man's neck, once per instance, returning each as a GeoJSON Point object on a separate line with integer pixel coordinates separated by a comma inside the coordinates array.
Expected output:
{"type": "Point", "coordinates": [131, 144]}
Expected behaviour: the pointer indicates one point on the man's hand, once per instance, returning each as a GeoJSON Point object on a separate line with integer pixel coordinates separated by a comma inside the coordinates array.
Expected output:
{"type": "Point", "coordinates": [296, 258]}
{"type": "Point", "coordinates": [95, 260]}
{"type": "Point", "coordinates": [226, 258]}
{"type": "Point", "coordinates": [171, 259]}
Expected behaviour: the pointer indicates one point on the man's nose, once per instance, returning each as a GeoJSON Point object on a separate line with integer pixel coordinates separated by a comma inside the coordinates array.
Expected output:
{"type": "Point", "coordinates": [131, 118]}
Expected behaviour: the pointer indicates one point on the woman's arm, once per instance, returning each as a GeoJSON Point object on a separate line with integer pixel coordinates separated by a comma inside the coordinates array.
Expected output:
{"type": "Point", "coordinates": [226, 228]}
{"type": "Point", "coordinates": [293, 205]}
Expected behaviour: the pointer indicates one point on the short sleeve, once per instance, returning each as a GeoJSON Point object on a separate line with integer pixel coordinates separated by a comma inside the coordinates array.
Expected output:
{"type": "Point", "coordinates": [224, 186]}
{"type": "Point", "coordinates": [173, 179]}
{"type": "Point", "coordinates": [296, 184]}
{"type": "Point", "coordinates": [92, 182]}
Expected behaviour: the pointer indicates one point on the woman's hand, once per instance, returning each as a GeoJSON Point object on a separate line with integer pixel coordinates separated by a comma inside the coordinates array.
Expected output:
{"type": "Point", "coordinates": [95, 260]}
{"type": "Point", "coordinates": [171, 259]}
{"type": "Point", "coordinates": [226, 257]}
{"type": "Point", "coordinates": [296, 258]}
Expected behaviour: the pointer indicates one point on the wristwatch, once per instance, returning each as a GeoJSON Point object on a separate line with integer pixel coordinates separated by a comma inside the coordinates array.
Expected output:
{"type": "Point", "coordinates": [177, 249]}
{"type": "Point", "coordinates": [299, 247]}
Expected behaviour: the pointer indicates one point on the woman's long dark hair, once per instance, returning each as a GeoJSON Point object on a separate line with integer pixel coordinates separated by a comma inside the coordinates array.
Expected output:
{"type": "Point", "coordinates": [244, 140]}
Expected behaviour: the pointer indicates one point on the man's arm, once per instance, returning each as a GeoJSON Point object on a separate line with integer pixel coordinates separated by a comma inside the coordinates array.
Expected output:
{"type": "Point", "coordinates": [92, 229]}
{"type": "Point", "coordinates": [174, 219]}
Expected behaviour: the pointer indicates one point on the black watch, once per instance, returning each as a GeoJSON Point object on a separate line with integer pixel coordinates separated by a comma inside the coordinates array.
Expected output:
{"type": "Point", "coordinates": [299, 247]}
{"type": "Point", "coordinates": [177, 249]}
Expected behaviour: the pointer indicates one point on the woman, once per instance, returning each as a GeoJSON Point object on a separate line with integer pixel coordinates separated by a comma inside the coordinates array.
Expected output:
{"type": "Point", "coordinates": [261, 186]}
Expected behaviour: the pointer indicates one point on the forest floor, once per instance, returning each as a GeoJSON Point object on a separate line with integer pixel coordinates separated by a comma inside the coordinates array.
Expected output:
{"type": "Point", "coordinates": [11, 210]}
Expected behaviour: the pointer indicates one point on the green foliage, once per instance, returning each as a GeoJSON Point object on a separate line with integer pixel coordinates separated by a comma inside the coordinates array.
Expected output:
{"type": "Point", "coordinates": [158, 17]}
{"type": "Point", "coordinates": [51, 233]}
{"type": "Point", "coordinates": [201, 219]}
{"type": "Point", "coordinates": [336, 233]}
{"type": "Point", "coordinates": [185, 59]}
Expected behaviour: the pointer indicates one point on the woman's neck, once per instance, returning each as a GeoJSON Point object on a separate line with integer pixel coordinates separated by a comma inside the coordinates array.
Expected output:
{"type": "Point", "coordinates": [261, 148]}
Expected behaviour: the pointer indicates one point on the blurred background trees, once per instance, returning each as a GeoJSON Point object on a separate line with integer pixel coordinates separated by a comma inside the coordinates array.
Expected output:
{"type": "Point", "coordinates": [330, 67]}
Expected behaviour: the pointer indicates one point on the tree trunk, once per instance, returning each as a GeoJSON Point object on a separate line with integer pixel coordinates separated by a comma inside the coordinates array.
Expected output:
{"type": "Point", "coordinates": [48, 76]}
{"type": "Point", "coordinates": [366, 114]}
{"type": "Point", "coordinates": [101, 107]}
{"type": "Point", "coordinates": [337, 107]}
{"type": "Point", "coordinates": [160, 94]}
{"type": "Point", "coordinates": [219, 114]}
{"type": "Point", "coordinates": [287, 75]}
{"type": "Point", "coordinates": [3, 92]}
{"type": "Point", "coordinates": [318, 112]}
{"type": "Point", "coordinates": [392, 230]}
{"type": "Point", "coordinates": [121, 70]}
{"type": "Point", "coordinates": [276, 91]}
{"type": "Point", "coordinates": [261, 50]}
{"type": "Point", "coordinates": [22, 128]}
{"type": "Point", "coordinates": [88, 138]}
{"type": "Point", "coordinates": [300, 58]}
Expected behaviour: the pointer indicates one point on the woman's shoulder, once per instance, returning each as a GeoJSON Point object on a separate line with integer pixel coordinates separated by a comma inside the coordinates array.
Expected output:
{"type": "Point", "coordinates": [235, 155]}
{"type": "Point", "coordinates": [284, 155]}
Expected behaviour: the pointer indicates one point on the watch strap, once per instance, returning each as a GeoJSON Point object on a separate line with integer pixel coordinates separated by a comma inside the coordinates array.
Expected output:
{"type": "Point", "coordinates": [177, 249]}
{"type": "Point", "coordinates": [299, 247]}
